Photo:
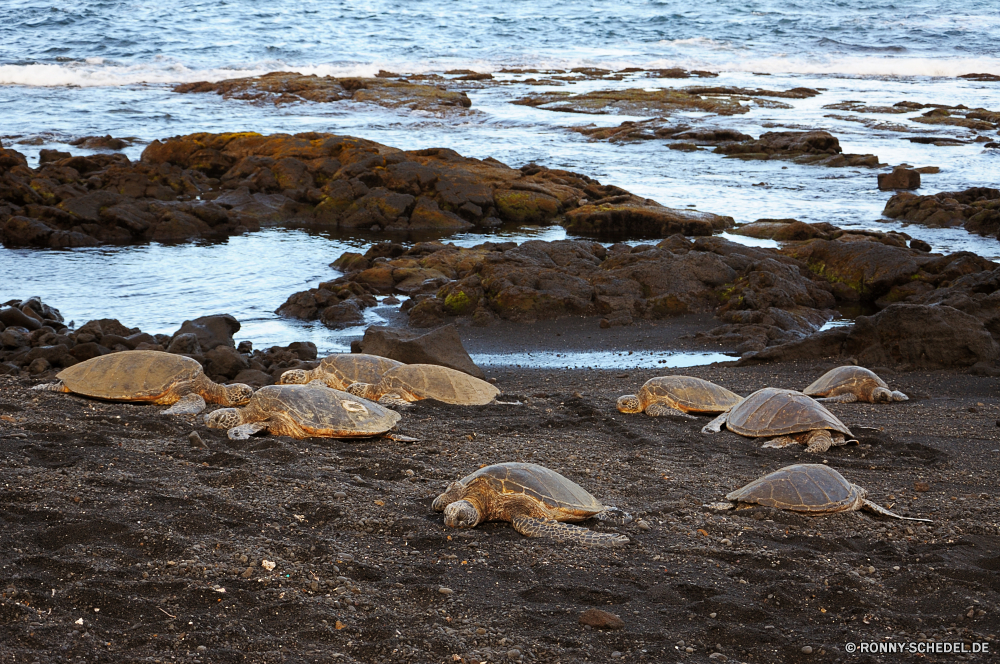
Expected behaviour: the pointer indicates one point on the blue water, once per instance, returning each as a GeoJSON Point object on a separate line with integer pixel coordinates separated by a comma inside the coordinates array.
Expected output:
{"type": "Point", "coordinates": [107, 67]}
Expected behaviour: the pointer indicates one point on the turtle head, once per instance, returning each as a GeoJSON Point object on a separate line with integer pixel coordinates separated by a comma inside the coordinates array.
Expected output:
{"type": "Point", "coordinates": [224, 418]}
{"type": "Point", "coordinates": [629, 404]}
{"type": "Point", "coordinates": [238, 394]}
{"type": "Point", "coordinates": [451, 494]}
{"type": "Point", "coordinates": [881, 395]}
{"type": "Point", "coordinates": [363, 390]}
{"type": "Point", "coordinates": [294, 377]}
{"type": "Point", "coordinates": [461, 514]}
{"type": "Point", "coordinates": [899, 396]}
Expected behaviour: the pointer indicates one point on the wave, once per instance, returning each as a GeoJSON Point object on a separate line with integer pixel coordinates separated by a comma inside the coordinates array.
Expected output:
{"type": "Point", "coordinates": [96, 72]}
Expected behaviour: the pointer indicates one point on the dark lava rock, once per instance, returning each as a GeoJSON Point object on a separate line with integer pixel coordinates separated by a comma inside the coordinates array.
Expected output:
{"type": "Point", "coordinates": [976, 209]}
{"type": "Point", "coordinates": [900, 178]}
{"type": "Point", "coordinates": [211, 331]}
{"type": "Point", "coordinates": [805, 147]}
{"type": "Point", "coordinates": [442, 346]}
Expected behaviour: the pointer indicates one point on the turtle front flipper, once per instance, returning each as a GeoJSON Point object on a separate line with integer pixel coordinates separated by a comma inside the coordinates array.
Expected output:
{"type": "Point", "coordinates": [715, 426]}
{"type": "Point", "coordinates": [529, 526]}
{"type": "Point", "coordinates": [779, 442]}
{"type": "Point", "coordinates": [878, 509]}
{"type": "Point", "coordinates": [192, 404]}
{"type": "Point", "coordinates": [614, 515]}
{"type": "Point", "coordinates": [244, 431]}
{"type": "Point", "coordinates": [394, 401]}
{"type": "Point", "coordinates": [846, 397]}
{"type": "Point", "coordinates": [663, 410]}
{"type": "Point", "coordinates": [52, 387]}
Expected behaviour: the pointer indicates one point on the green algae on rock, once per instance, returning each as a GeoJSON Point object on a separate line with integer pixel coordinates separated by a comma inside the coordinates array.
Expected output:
{"type": "Point", "coordinates": [282, 87]}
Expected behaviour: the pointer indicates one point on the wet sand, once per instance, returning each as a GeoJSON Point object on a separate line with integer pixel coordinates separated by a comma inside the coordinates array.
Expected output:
{"type": "Point", "coordinates": [112, 516]}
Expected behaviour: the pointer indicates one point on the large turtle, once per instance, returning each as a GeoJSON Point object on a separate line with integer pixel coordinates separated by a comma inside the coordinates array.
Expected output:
{"type": "Point", "coordinates": [533, 498]}
{"type": "Point", "coordinates": [304, 411]}
{"type": "Point", "coordinates": [678, 396]}
{"type": "Point", "coordinates": [148, 375]}
{"type": "Point", "coordinates": [849, 384]}
{"type": "Point", "coordinates": [413, 382]}
{"type": "Point", "coordinates": [340, 371]}
{"type": "Point", "coordinates": [805, 487]}
{"type": "Point", "coordinates": [786, 417]}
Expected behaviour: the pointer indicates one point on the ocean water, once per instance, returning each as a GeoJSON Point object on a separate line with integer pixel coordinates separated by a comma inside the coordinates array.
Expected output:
{"type": "Point", "coordinates": [107, 67]}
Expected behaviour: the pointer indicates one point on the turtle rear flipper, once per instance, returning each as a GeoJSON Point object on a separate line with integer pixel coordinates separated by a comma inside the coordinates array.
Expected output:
{"type": "Point", "coordinates": [780, 442]}
{"type": "Point", "coordinates": [564, 532]}
{"type": "Point", "coordinates": [244, 431]}
{"type": "Point", "coordinates": [715, 426]}
{"type": "Point", "coordinates": [192, 404]}
{"type": "Point", "coordinates": [878, 509]}
{"type": "Point", "coordinates": [51, 387]}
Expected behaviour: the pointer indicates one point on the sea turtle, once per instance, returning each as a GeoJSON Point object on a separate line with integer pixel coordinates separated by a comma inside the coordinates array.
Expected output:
{"type": "Point", "coordinates": [678, 396]}
{"type": "Point", "coordinates": [339, 371]}
{"type": "Point", "coordinates": [850, 384]}
{"type": "Point", "coordinates": [786, 417]}
{"type": "Point", "coordinates": [148, 375]}
{"type": "Point", "coordinates": [304, 411]}
{"type": "Point", "coordinates": [533, 498]}
{"type": "Point", "coordinates": [805, 487]}
{"type": "Point", "coordinates": [413, 382]}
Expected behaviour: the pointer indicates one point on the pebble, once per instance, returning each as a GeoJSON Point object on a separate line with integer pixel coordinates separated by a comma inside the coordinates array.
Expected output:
{"type": "Point", "coordinates": [201, 648]}
{"type": "Point", "coordinates": [727, 541]}
{"type": "Point", "coordinates": [267, 564]}
{"type": "Point", "coordinates": [195, 440]}
{"type": "Point", "coordinates": [642, 525]}
{"type": "Point", "coordinates": [713, 614]}
{"type": "Point", "coordinates": [718, 656]}
{"type": "Point", "coordinates": [447, 591]}
{"type": "Point", "coordinates": [480, 631]}
{"type": "Point", "coordinates": [601, 619]}
{"type": "Point", "coordinates": [340, 495]}
{"type": "Point", "coordinates": [616, 654]}
{"type": "Point", "coordinates": [689, 649]}
{"type": "Point", "coordinates": [513, 653]}
{"type": "Point", "coordinates": [807, 649]}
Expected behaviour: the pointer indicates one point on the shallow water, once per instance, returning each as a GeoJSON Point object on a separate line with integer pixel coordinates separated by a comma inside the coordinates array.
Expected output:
{"type": "Point", "coordinates": [597, 359]}
{"type": "Point", "coordinates": [108, 66]}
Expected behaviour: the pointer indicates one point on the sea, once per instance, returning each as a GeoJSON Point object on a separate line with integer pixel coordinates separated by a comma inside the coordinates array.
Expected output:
{"type": "Point", "coordinates": [97, 67]}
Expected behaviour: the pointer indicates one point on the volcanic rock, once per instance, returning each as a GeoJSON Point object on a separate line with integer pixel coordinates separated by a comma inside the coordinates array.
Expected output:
{"type": "Point", "coordinates": [441, 346]}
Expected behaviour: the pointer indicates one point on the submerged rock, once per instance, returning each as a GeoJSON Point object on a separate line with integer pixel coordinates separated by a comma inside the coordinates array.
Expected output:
{"type": "Point", "coordinates": [819, 148]}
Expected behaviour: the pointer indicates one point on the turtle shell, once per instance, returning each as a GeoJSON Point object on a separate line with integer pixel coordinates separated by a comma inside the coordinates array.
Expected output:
{"type": "Point", "coordinates": [357, 368]}
{"type": "Point", "coordinates": [804, 487]}
{"type": "Point", "coordinates": [132, 375]}
{"type": "Point", "coordinates": [430, 381]}
{"type": "Point", "coordinates": [856, 378]}
{"type": "Point", "coordinates": [321, 411]}
{"type": "Point", "coordinates": [538, 482]}
{"type": "Point", "coordinates": [775, 412]}
{"type": "Point", "coordinates": [692, 395]}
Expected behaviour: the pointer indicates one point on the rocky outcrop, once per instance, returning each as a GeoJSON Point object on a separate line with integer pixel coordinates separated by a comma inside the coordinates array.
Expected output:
{"type": "Point", "coordinates": [819, 148]}
{"type": "Point", "coordinates": [627, 216]}
{"type": "Point", "coordinates": [441, 346]}
{"type": "Point", "coordinates": [211, 185]}
{"type": "Point", "coordinates": [900, 178]}
{"type": "Point", "coordinates": [282, 87]}
{"type": "Point", "coordinates": [538, 280]}
{"type": "Point", "coordinates": [909, 336]}
{"type": "Point", "coordinates": [976, 209]}
{"type": "Point", "coordinates": [664, 101]}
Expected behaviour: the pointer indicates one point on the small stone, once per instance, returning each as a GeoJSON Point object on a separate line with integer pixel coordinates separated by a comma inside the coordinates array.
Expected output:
{"type": "Point", "coordinates": [601, 619]}
{"type": "Point", "coordinates": [340, 495]}
{"type": "Point", "coordinates": [195, 440]}
{"type": "Point", "coordinates": [480, 631]}
{"type": "Point", "coordinates": [712, 614]}
{"type": "Point", "coordinates": [513, 653]}
{"type": "Point", "coordinates": [201, 648]}
{"type": "Point", "coordinates": [871, 570]}
{"type": "Point", "coordinates": [718, 656]}
{"type": "Point", "coordinates": [807, 650]}
{"type": "Point", "coordinates": [924, 486]}
{"type": "Point", "coordinates": [642, 525]}
{"type": "Point", "coordinates": [616, 654]}
{"type": "Point", "coordinates": [247, 573]}
{"type": "Point", "coordinates": [689, 649]}
{"type": "Point", "coordinates": [268, 565]}
{"type": "Point", "coordinates": [727, 541]}
{"type": "Point", "coordinates": [605, 323]}
{"type": "Point", "coordinates": [446, 591]}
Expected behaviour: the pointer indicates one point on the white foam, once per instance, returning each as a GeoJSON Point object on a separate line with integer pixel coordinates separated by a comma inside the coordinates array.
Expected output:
{"type": "Point", "coordinates": [694, 53]}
